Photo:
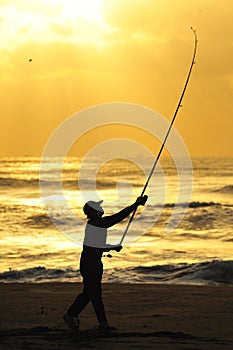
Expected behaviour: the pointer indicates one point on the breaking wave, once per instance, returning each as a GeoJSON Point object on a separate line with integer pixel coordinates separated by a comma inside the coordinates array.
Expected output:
{"type": "Point", "coordinates": [216, 272]}
{"type": "Point", "coordinates": [193, 204]}
{"type": "Point", "coordinates": [228, 189]}
{"type": "Point", "coordinates": [12, 182]}
{"type": "Point", "coordinates": [213, 272]}
{"type": "Point", "coordinates": [38, 274]}
{"type": "Point", "coordinates": [39, 221]}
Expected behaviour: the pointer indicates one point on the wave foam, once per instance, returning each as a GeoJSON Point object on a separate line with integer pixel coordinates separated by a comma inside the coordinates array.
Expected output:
{"type": "Point", "coordinates": [210, 272]}
{"type": "Point", "coordinates": [213, 272]}
{"type": "Point", "coordinates": [193, 204]}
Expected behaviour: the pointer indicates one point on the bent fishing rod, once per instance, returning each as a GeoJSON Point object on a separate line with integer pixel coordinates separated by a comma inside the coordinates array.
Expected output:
{"type": "Point", "coordinates": [168, 131]}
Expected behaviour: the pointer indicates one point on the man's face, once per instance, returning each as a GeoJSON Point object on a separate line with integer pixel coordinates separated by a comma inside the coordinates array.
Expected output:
{"type": "Point", "coordinates": [100, 210]}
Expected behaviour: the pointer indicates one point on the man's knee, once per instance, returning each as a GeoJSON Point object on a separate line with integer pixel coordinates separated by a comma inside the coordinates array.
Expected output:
{"type": "Point", "coordinates": [93, 291]}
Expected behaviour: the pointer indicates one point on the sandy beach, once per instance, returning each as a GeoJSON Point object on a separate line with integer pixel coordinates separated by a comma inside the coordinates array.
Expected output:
{"type": "Point", "coordinates": [146, 316]}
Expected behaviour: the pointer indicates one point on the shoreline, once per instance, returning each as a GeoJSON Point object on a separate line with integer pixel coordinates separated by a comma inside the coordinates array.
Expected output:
{"type": "Point", "coordinates": [146, 315]}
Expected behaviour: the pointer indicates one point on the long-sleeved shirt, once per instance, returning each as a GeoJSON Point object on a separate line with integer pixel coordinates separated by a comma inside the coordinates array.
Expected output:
{"type": "Point", "coordinates": [96, 228]}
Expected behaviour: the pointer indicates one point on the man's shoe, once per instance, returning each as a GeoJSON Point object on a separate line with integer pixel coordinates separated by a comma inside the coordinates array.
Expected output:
{"type": "Point", "coordinates": [104, 326]}
{"type": "Point", "coordinates": [71, 321]}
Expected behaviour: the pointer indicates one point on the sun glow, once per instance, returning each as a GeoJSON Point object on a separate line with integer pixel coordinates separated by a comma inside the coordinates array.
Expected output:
{"type": "Point", "coordinates": [89, 10]}
{"type": "Point", "coordinates": [53, 20]}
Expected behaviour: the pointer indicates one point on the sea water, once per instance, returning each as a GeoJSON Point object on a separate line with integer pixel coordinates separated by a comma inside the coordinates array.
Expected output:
{"type": "Point", "coordinates": [198, 250]}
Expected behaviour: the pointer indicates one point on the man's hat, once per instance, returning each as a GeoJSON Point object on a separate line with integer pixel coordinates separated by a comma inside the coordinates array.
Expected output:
{"type": "Point", "coordinates": [93, 205]}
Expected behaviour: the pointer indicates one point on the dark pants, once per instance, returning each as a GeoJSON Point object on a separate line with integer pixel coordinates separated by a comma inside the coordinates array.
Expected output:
{"type": "Point", "coordinates": [91, 271]}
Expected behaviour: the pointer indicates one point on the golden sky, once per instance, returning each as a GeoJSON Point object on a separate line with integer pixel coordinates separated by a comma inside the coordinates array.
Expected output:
{"type": "Point", "coordinates": [98, 51]}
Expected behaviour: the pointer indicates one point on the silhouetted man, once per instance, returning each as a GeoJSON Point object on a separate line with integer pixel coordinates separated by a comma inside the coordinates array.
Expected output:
{"type": "Point", "coordinates": [91, 266]}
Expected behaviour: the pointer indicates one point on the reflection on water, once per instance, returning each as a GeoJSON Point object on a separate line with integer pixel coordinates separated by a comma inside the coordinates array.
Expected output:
{"type": "Point", "coordinates": [29, 239]}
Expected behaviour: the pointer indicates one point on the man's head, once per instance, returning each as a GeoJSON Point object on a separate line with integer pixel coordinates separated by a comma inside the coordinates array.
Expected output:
{"type": "Point", "coordinates": [93, 209]}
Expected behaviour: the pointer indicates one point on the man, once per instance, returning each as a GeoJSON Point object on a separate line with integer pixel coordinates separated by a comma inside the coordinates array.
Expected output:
{"type": "Point", "coordinates": [91, 266]}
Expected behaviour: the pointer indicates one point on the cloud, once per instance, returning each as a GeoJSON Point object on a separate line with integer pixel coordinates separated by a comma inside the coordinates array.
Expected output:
{"type": "Point", "coordinates": [141, 55]}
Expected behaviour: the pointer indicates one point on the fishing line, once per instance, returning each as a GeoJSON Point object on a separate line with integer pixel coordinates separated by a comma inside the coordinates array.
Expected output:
{"type": "Point", "coordinates": [168, 131]}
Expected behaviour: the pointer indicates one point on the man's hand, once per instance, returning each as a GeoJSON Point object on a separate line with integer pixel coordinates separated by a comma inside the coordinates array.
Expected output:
{"type": "Point", "coordinates": [141, 200]}
{"type": "Point", "coordinates": [117, 248]}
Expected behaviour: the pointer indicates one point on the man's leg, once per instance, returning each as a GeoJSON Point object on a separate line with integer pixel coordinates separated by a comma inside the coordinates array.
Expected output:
{"type": "Point", "coordinates": [79, 304]}
{"type": "Point", "coordinates": [93, 290]}
{"type": "Point", "coordinates": [98, 306]}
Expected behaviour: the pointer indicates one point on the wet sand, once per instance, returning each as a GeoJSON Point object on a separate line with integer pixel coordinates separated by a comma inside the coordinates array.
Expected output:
{"type": "Point", "coordinates": [146, 317]}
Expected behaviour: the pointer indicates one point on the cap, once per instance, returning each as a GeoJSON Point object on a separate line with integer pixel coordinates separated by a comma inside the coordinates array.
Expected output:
{"type": "Point", "coordinates": [93, 205]}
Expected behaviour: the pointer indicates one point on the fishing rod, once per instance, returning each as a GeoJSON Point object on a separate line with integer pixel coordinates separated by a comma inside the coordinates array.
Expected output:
{"type": "Point", "coordinates": [168, 132]}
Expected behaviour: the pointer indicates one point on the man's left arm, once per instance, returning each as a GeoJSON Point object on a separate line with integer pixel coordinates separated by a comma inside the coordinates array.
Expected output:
{"type": "Point", "coordinates": [108, 221]}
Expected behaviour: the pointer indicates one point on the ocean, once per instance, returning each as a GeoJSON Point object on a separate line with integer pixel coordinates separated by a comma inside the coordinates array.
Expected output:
{"type": "Point", "coordinates": [197, 250]}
